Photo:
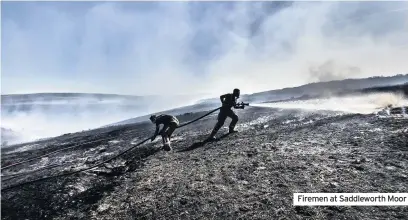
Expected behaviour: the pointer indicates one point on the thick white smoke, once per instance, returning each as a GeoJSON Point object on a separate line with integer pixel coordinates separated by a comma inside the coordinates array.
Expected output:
{"type": "Point", "coordinates": [170, 48]}
{"type": "Point", "coordinates": [363, 104]}
{"type": "Point", "coordinates": [40, 117]}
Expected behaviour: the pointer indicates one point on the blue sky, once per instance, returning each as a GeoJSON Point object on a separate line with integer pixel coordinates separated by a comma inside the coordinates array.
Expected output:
{"type": "Point", "coordinates": [167, 48]}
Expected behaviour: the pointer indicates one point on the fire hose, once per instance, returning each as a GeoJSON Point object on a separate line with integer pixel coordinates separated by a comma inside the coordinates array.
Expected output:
{"type": "Point", "coordinates": [105, 161]}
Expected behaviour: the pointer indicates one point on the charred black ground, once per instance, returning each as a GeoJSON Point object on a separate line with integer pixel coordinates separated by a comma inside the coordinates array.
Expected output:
{"type": "Point", "coordinates": [249, 175]}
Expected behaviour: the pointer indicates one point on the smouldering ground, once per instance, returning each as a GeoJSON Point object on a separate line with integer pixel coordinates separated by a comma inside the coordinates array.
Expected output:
{"type": "Point", "coordinates": [248, 175]}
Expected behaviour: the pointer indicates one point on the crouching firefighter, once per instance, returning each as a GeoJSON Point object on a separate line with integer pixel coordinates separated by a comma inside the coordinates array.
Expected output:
{"type": "Point", "coordinates": [170, 123]}
{"type": "Point", "coordinates": [228, 101]}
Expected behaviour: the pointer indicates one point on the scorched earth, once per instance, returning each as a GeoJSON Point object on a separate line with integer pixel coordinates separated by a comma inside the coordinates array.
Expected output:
{"type": "Point", "coordinates": [248, 175]}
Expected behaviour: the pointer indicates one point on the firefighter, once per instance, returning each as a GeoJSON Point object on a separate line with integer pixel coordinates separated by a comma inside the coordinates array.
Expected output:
{"type": "Point", "coordinates": [228, 101]}
{"type": "Point", "coordinates": [170, 123]}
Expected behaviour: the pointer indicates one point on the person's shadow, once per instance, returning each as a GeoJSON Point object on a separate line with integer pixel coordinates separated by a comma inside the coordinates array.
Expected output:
{"type": "Point", "coordinates": [202, 143]}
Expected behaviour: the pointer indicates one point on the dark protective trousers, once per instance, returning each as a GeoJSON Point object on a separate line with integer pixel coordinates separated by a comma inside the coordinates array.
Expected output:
{"type": "Point", "coordinates": [168, 129]}
{"type": "Point", "coordinates": [166, 133]}
{"type": "Point", "coordinates": [222, 116]}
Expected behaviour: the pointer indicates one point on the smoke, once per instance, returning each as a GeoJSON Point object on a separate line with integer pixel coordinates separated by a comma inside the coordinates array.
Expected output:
{"type": "Point", "coordinates": [363, 104]}
{"type": "Point", "coordinates": [206, 48]}
{"type": "Point", "coordinates": [330, 71]}
{"type": "Point", "coordinates": [42, 119]}
{"type": "Point", "coordinates": [44, 116]}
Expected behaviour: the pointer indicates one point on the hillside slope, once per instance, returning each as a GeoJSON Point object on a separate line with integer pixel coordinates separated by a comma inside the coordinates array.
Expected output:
{"type": "Point", "coordinates": [248, 175]}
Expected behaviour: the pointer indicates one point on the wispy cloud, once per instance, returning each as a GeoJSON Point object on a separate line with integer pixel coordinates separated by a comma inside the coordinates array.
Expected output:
{"type": "Point", "coordinates": [200, 47]}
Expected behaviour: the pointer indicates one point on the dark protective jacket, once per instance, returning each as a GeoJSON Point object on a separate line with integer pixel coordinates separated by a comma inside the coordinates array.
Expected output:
{"type": "Point", "coordinates": [228, 100]}
{"type": "Point", "coordinates": [166, 119]}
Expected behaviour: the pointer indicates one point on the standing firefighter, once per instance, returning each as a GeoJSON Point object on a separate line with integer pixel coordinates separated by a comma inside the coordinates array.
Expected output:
{"type": "Point", "coordinates": [170, 123]}
{"type": "Point", "coordinates": [228, 101]}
